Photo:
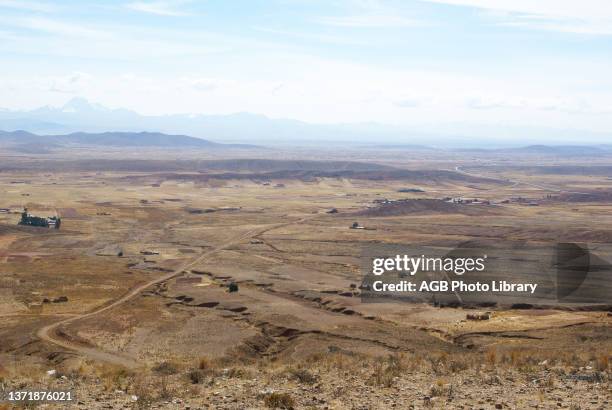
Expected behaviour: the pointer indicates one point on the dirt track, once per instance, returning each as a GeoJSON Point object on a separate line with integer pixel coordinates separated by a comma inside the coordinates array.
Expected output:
{"type": "Point", "coordinates": [50, 332]}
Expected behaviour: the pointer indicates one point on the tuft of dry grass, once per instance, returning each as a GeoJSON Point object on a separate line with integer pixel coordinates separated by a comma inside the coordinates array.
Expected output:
{"type": "Point", "coordinates": [458, 364]}
{"type": "Point", "coordinates": [549, 381]}
{"type": "Point", "coordinates": [114, 377]}
{"type": "Point", "coordinates": [164, 390]}
{"type": "Point", "coordinates": [386, 371]}
{"type": "Point", "coordinates": [166, 368]}
{"type": "Point", "coordinates": [238, 373]}
{"type": "Point", "coordinates": [491, 357]}
{"type": "Point", "coordinates": [144, 392]}
{"type": "Point", "coordinates": [204, 363]}
{"type": "Point", "coordinates": [303, 375]}
{"type": "Point", "coordinates": [279, 401]}
{"type": "Point", "coordinates": [196, 376]}
{"type": "Point", "coordinates": [206, 368]}
{"type": "Point", "coordinates": [602, 363]}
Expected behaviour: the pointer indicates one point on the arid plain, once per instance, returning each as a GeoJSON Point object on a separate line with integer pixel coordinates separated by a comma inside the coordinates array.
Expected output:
{"type": "Point", "coordinates": [128, 303]}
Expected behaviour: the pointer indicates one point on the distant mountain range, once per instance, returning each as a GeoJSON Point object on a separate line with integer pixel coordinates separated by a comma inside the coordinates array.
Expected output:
{"type": "Point", "coordinates": [28, 142]}
{"type": "Point", "coordinates": [79, 115]}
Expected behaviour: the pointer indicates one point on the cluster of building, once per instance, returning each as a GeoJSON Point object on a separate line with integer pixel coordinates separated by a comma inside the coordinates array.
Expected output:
{"type": "Point", "coordinates": [472, 201]}
{"type": "Point", "coordinates": [52, 222]}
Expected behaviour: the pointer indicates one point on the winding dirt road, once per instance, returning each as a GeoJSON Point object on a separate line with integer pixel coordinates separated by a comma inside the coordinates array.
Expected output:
{"type": "Point", "coordinates": [516, 182]}
{"type": "Point", "coordinates": [51, 333]}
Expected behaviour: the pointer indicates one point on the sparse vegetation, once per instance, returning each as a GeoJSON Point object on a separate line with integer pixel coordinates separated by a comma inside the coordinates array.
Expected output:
{"type": "Point", "coordinates": [387, 371]}
{"type": "Point", "coordinates": [295, 335]}
{"type": "Point", "coordinates": [143, 392]}
{"type": "Point", "coordinates": [279, 401]}
{"type": "Point", "coordinates": [603, 362]}
{"type": "Point", "coordinates": [196, 376]}
{"type": "Point", "coordinates": [166, 368]}
{"type": "Point", "coordinates": [114, 377]}
{"type": "Point", "coordinates": [303, 375]}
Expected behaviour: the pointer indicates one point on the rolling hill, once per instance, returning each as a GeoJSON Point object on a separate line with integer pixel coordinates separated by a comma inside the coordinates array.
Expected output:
{"type": "Point", "coordinates": [20, 140]}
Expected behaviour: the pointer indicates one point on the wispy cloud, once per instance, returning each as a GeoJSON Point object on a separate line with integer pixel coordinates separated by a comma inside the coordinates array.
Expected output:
{"type": "Point", "coordinates": [160, 8]}
{"type": "Point", "coordinates": [53, 26]}
{"type": "Point", "coordinates": [370, 21]}
{"type": "Point", "coordinates": [567, 105]}
{"type": "Point", "coordinates": [70, 84]}
{"type": "Point", "coordinates": [27, 5]}
{"type": "Point", "coordinates": [582, 17]}
{"type": "Point", "coordinates": [408, 103]}
{"type": "Point", "coordinates": [371, 14]}
{"type": "Point", "coordinates": [322, 38]}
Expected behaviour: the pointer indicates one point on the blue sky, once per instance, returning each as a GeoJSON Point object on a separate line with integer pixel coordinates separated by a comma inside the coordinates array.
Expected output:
{"type": "Point", "coordinates": [435, 65]}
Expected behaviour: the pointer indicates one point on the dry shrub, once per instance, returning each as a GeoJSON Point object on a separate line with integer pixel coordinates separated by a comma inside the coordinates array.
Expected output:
{"type": "Point", "coordinates": [438, 363]}
{"type": "Point", "coordinates": [415, 363]}
{"type": "Point", "coordinates": [238, 355]}
{"type": "Point", "coordinates": [515, 358]}
{"type": "Point", "coordinates": [386, 371]}
{"type": "Point", "coordinates": [166, 368]}
{"type": "Point", "coordinates": [549, 381]}
{"type": "Point", "coordinates": [379, 377]}
{"type": "Point", "coordinates": [29, 372]}
{"type": "Point", "coordinates": [336, 361]}
{"type": "Point", "coordinates": [143, 390]}
{"type": "Point", "coordinates": [84, 369]}
{"type": "Point", "coordinates": [114, 377]}
{"type": "Point", "coordinates": [279, 401]}
{"type": "Point", "coordinates": [340, 391]}
{"type": "Point", "coordinates": [491, 357]}
{"type": "Point", "coordinates": [602, 362]}
{"type": "Point", "coordinates": [439, 389]}
{"type": "Point", "coordinates": [508, 358]}
{"type": "Point", "coordinates": [238, 373]}
{"type": "Point", "coordinates": [196, 376]}
{"type": "Point", "coordinates": [164, 391]}
{"type": "Point", "coordinates": [204, 363]}
{"type": "Point", "coordinates": [491, 379]}
{"type": "Point", "coordinates": [398, 363]}
{"type": "Point", "coordinates": [205, 368]}
{"type": "Point", "coordinates": [458, 365]}
{"type": "Point", "coordinates": [303, 376]}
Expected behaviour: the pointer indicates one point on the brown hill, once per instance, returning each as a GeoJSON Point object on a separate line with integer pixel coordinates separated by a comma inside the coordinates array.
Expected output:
{"type": "Point", "coordinates": [424, 206]}
{"type": "Point", "coordinates": [311, 175]}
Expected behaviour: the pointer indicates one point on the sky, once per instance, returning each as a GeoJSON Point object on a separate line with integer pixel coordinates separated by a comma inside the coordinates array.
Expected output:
{"type": "Point", "coordinates": [435, 65]}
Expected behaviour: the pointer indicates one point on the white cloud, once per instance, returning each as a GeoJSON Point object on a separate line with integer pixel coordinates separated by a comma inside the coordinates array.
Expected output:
{"type": "Point", "coordinates": [334, 92]}
{"type": "Point", "coordinates": [323, 38]}
{"type": "Point", "coordinates": [370, 21]}
{"type": "Point", "coordinates": [70, 84]}
{"type": "Point", "coordinates": [583, 17]}
{"type": "Point", "coordinates": [203, 84]}
{"type": "Point", "coordinates": [371, 14]}
{"type": "Point", "coordinates": [160, 8]}
{"type": "Point", "coordinates": [53, 26]}
{"type": "Point", "coordinates": [27, 5]}
{"type": "Point", "coordinates": [176, 69]}
{"type": "Point", "coordinates": [408, 103]}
